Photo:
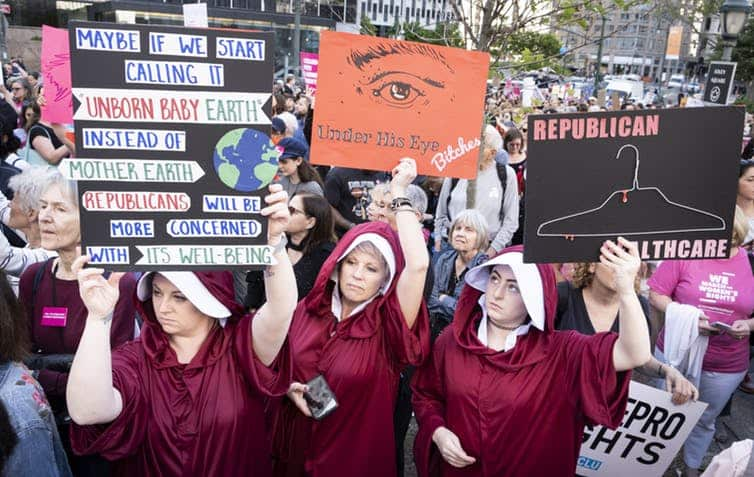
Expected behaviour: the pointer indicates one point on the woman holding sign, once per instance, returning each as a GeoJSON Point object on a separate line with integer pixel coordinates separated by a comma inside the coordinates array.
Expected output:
{"type": "Point", "coordinates": [361, 324]}
{"type": "Point", "coordinates": [506, 394]}
{"type": "Point", "coordinates": [56, 315]}
{"type": "Point", "coordinates": [717, 295]}
{"type": "Point", "coordinates": [187, 397]}
{"type": "Point", "coordinates": [590, 304]}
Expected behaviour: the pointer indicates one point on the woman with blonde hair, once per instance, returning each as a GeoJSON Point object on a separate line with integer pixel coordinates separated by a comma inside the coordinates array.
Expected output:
{"type": "Point", "coordinates": [589, 304]}
{"type": "Point", "coordinates": [716, 294]}
{"type": "Point", "coordinates": [359, 327]}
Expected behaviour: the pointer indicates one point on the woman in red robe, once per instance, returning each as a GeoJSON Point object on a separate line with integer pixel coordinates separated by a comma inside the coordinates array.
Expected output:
{"type": "Point", "coordinates": [186, 398]}
{"type": "Point", "coordinates": [503, 393]}
{"type": "Point", "coordinates": [361, 324]}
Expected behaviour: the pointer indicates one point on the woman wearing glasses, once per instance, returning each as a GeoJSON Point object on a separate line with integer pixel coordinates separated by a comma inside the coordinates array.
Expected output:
{"type": "Point", "coordinates": [311, 238]}
{"type": "Point", "coordinates": [513, 143]}
{"type": "Point", "coordinates": [20, 92]}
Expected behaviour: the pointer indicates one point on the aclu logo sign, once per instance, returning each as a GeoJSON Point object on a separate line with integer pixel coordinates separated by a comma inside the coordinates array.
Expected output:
{"type": "Point", "coordinates": [587, 463]}
{"type": "Point", "coordinates": [652, 431]}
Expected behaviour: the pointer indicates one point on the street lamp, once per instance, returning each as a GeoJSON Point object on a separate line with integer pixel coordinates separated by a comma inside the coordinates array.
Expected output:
{"type": "Point", "coordinates": [734, 13]}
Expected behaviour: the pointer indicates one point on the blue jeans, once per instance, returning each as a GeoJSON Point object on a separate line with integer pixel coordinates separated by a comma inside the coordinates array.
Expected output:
{"type": "Point", "coordinates": [715, 389]}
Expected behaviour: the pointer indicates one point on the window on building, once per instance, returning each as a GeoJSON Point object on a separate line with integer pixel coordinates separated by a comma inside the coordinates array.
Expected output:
{"type": "Point", "coordinates": [350, 11]}
{"type": "Point", "coordinates": [335, 9]}
{"type": "Point", "coordinates": [311, 7]}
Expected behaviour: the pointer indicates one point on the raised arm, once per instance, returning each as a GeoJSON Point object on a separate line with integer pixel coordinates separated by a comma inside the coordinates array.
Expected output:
{"type": "Point", "coordinates": [90, 394]}
{"type": "Point", "coordinates": [270, 324]}
{"type": "Point", "coordinates": [43, 145]}
{"type": "Point", "coordinates": [411, 282]}
{"type": "Point", "coordinates": [7, 95]}
{"type": "Point", "coordinates": [632, 348]}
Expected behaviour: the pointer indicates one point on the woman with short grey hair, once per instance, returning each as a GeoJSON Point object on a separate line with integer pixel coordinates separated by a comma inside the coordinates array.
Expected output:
{"type": "Point", "coordinates": [23, 210]}
{"type": "Point", "coordinates": [468, 237]}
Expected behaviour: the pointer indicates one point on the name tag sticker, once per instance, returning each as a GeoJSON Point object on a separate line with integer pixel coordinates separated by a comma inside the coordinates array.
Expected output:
{"type": "Point", "coordinates": [54, 316]}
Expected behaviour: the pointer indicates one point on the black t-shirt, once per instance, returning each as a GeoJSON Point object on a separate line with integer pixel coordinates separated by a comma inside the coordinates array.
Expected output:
{"type": "Point", "coordinates": [305, 270]}
{"type": "Point", "coordinates": [748, 152]}
{"type": "Point", "coordinates": [347, 190]}
{"type": "Point", "coordinates": [572, 313]}
{"type": "Point", "coordinates": [44, 131]}
{"type": "Point", "coordinates": [520, 169]}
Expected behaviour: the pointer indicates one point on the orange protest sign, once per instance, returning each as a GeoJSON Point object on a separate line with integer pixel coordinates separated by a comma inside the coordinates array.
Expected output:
{"type": "Point", "coordinates": [379, 100]}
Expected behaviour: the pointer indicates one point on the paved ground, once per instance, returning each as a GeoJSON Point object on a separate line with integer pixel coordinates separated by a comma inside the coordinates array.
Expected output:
{"type": "Point", "coordinates": [738, 426]}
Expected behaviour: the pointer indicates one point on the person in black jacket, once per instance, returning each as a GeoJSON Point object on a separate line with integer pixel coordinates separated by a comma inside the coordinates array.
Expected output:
{"type": "Point", "coordinates": [310, 240]}
{"type": "Point", "coordinates": [748, 151]}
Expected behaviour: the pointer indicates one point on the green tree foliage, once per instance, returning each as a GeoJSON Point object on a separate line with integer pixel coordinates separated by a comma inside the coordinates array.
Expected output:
{"type": "Point", "coordinates": [743, 53]}
{"type": "Point", "coordinates": [528, 50]}
{"type": "Point", "coordinates": [538, 43]}
{"type": "Point", "coordinates": [367, 27]}
{"type": "Point", "coordinates": [446, 34]}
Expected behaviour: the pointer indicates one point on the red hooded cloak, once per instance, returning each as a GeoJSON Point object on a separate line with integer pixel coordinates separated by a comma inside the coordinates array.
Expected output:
{"type": "Point", "coordinates": [520, 412]}
{"type": "Point", "coordinates": [361, 359]}
{"type": "Point", "coordinates": [201, 418]}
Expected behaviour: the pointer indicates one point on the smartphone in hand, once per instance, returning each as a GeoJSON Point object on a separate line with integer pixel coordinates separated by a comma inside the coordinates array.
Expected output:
{"type": "Point", "coordinates": [320, 399]}
{"type": "Point", "coordinates": [725, 327]}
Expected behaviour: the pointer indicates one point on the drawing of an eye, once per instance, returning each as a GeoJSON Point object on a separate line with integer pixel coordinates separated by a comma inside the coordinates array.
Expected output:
{"type": "Point", "coordinates": [399, 89]}
{"type": "Point", "coordinates": [397, 93]}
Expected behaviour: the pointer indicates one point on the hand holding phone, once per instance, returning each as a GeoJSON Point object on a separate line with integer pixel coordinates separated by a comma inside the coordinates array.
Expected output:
{"type": "Point", "coordinates": [722, 326]}
{"type": "Point", "coordinates": [319, 398]}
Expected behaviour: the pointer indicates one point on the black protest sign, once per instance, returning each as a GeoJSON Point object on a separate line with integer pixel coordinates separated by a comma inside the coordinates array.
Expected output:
{"type": "Point", "coordinates": [659, 177]}
{"type": "Point", "coordinates": [719, 82]}
{"type": "Point", "coordinates": [173, 147]}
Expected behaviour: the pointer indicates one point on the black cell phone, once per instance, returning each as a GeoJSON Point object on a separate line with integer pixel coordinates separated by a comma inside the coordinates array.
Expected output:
{"type": "Point", "coordinates": [320, 399]}
{"type": "Point", "coordinates": [722, 326]}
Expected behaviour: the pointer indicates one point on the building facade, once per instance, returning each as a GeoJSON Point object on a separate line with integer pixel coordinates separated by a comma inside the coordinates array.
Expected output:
{"type": "Point", "coordinates": [640, 40]}
{"type": "Point", "coordinates": [263, 15]}
{"type": "Point", "coordinates": [272, 15]}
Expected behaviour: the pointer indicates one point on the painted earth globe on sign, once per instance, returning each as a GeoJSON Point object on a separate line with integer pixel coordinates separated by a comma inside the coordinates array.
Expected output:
{"type": "Point", "coordinates": [246, 159]}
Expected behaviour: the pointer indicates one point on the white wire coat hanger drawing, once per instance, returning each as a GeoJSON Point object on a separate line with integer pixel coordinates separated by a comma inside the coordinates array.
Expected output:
{"type": "Point", "coordinates": [541, 232]}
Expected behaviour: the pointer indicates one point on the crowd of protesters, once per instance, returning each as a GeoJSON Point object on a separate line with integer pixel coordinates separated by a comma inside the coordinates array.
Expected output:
{"type": "Point", "coordinates": [390, 296]}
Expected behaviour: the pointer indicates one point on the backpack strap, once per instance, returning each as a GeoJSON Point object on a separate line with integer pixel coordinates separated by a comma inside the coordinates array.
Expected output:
{"type": "Point", "coordinates": [502, 175]}
{"type": "Point", "coordinates": [29, 140]}
{"type": "Point", "coordinates": [38, 275]}
{"type": "Point", "coordinates": [453, 183]}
